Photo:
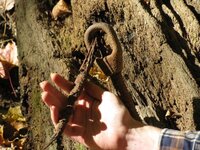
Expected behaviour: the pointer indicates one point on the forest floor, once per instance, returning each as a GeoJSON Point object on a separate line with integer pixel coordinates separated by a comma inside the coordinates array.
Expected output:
{"type": "Point", "coordinates": [13, 126]}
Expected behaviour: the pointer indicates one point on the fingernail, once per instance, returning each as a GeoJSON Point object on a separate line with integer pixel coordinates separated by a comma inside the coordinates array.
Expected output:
{"type": "Point", "coordinates": [43, 95]}
{"type": "Point", "coordinates": [52, 74]}
{"type": "Point", "coordinates": [42, 84]}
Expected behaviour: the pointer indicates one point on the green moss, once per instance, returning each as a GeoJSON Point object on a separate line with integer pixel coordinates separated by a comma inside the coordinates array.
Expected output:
{"type": "Point", "coordinates": [78, 146]}
{"type": "Point", "coordinates": [36, 100]}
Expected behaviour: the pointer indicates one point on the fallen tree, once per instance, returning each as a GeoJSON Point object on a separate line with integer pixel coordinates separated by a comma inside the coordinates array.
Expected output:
{"type": "Point", "coordinates": [160, 42]}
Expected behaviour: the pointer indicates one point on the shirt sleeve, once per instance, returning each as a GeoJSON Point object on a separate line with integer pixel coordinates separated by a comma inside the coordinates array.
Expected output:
{"type": "Point", "coordinates": [179, 140]}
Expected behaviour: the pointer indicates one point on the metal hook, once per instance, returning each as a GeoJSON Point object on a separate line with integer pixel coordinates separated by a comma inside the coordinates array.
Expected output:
{"type": "Point", "coordinates": [112, 63]}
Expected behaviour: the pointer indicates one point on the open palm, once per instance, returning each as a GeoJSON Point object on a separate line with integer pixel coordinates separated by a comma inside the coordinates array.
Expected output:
{"type": "Point", "coordinates": [100, 120]}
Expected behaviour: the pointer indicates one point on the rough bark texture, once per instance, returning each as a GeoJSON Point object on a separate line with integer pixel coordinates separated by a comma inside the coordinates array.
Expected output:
{"type": "Point", "coordinates": [161, 51]}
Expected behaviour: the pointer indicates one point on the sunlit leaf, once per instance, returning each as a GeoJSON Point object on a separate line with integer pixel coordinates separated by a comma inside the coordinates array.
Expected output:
{"type": "Point", "coordinates": [1, 134]}
{"type": "Point", "coordinates": [10, 4]}
{"type": "Point", "coordinates": [8, 59]}
{"type": "Point", "coordinates": [14, 114]}
{"type": "Point", "coordinates": [13, 132]}
{"type": "Point", "coordinates": [18, 125]}
{"type": "Point", "coordinates": [97, 73]}
{"type": "Point", "coordinates": [60, 8]}
{"type": "Point", "coordinates": [20, 143]}
{"type": "Point", "coordinates": [6, 5]}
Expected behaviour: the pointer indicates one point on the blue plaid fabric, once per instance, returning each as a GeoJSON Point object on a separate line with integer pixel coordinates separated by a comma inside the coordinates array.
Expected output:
{"type": "Point", "coordinates": [178, 140]}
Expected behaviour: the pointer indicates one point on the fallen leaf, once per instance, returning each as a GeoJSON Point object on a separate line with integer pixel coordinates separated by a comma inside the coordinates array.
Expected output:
{"type": "Point", "coordinates": [13, 131]}
{"type": "Point", "coordinates": [60, 8]}
{"type": "Point", "coordinates": [9, 131]}
{"type": "Point", "coordinates": [10, 4]}
{"type": "Point", "coordinates": [1, 134]}
{"type": "Point", "coordinates": [11, 138]}
{"type": "Point", "coordinates": [8, 59]}
{"type": "Point", "coordinates": [97, 73]}
{"type": "Point", "coordinates": [20, 143]}
{"type": "Point", "coordinates": [14, 114]}
{"type": "Point", "coordinates": [6, 5]}
{"type": "Point", "coordinates": [18, 125]}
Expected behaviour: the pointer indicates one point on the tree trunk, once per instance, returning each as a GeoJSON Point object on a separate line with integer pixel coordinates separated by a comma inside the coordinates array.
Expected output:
{"type": "Point", "coordinates": [160, 39]}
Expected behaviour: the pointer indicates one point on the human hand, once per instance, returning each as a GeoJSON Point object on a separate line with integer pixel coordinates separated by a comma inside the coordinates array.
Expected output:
{"type": "Point", "coordinates": [100, 120]}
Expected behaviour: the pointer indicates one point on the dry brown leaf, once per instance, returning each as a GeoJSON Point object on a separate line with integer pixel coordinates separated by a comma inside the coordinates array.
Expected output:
{"type": "Point", "coordinates": [60, 8]}
{"type": "Point", "coordinates": [20, 143]}
{"type": "Point", "coordinates": [6, 5]}
{"type": "Point", "coordinates": [18, 125]}
{"type": "Point", "coordinates": [8, 59]}
{"type": "Point", "coordinates": [13, 133]}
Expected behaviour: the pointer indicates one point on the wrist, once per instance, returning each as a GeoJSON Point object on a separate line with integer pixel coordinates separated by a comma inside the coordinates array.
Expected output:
{"type": "Point", "coordinates": [143, 138]}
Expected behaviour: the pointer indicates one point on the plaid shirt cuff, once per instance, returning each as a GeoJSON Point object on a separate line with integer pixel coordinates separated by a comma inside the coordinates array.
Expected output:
{"type": "Point", "coordinates": [178, 140]}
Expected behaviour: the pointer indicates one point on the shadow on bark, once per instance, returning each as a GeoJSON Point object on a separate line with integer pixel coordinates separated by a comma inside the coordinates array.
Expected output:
{"type": "Point", "coordinates": [196, 114]}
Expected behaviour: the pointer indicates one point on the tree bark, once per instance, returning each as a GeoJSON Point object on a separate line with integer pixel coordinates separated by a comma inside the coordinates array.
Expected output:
{"type": "Point", "coordinates": [160, 39]}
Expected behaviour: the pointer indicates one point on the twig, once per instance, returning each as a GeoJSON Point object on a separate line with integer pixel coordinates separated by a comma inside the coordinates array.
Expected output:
{"type": "Point", "coordinates": [11, 84]}
{"type": "Point", "coordinates": [80, 80]}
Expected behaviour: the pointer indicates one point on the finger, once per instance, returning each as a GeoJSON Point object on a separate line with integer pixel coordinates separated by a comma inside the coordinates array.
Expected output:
{"type": "Point", "coordinates": [46, 86]}
{"type": "Point", "coordinates": [74, 130]}
{"type": "Point", "coordinates": [78, 124]}
{"type": "Point", "coordinates": [91, 88]}
{"type": "Point", "coordinates": [50, 100]}
{"type": "Point", "coordinates": [80, 113]}
{"type": "Point", "coordinates": [61, 82]}
{"type": "Point", "coordinates": [54, 114]}
{"type": "Point", "coordinates": [95, 114]}
{"type": "Point", "coordinates": [94, 90]}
